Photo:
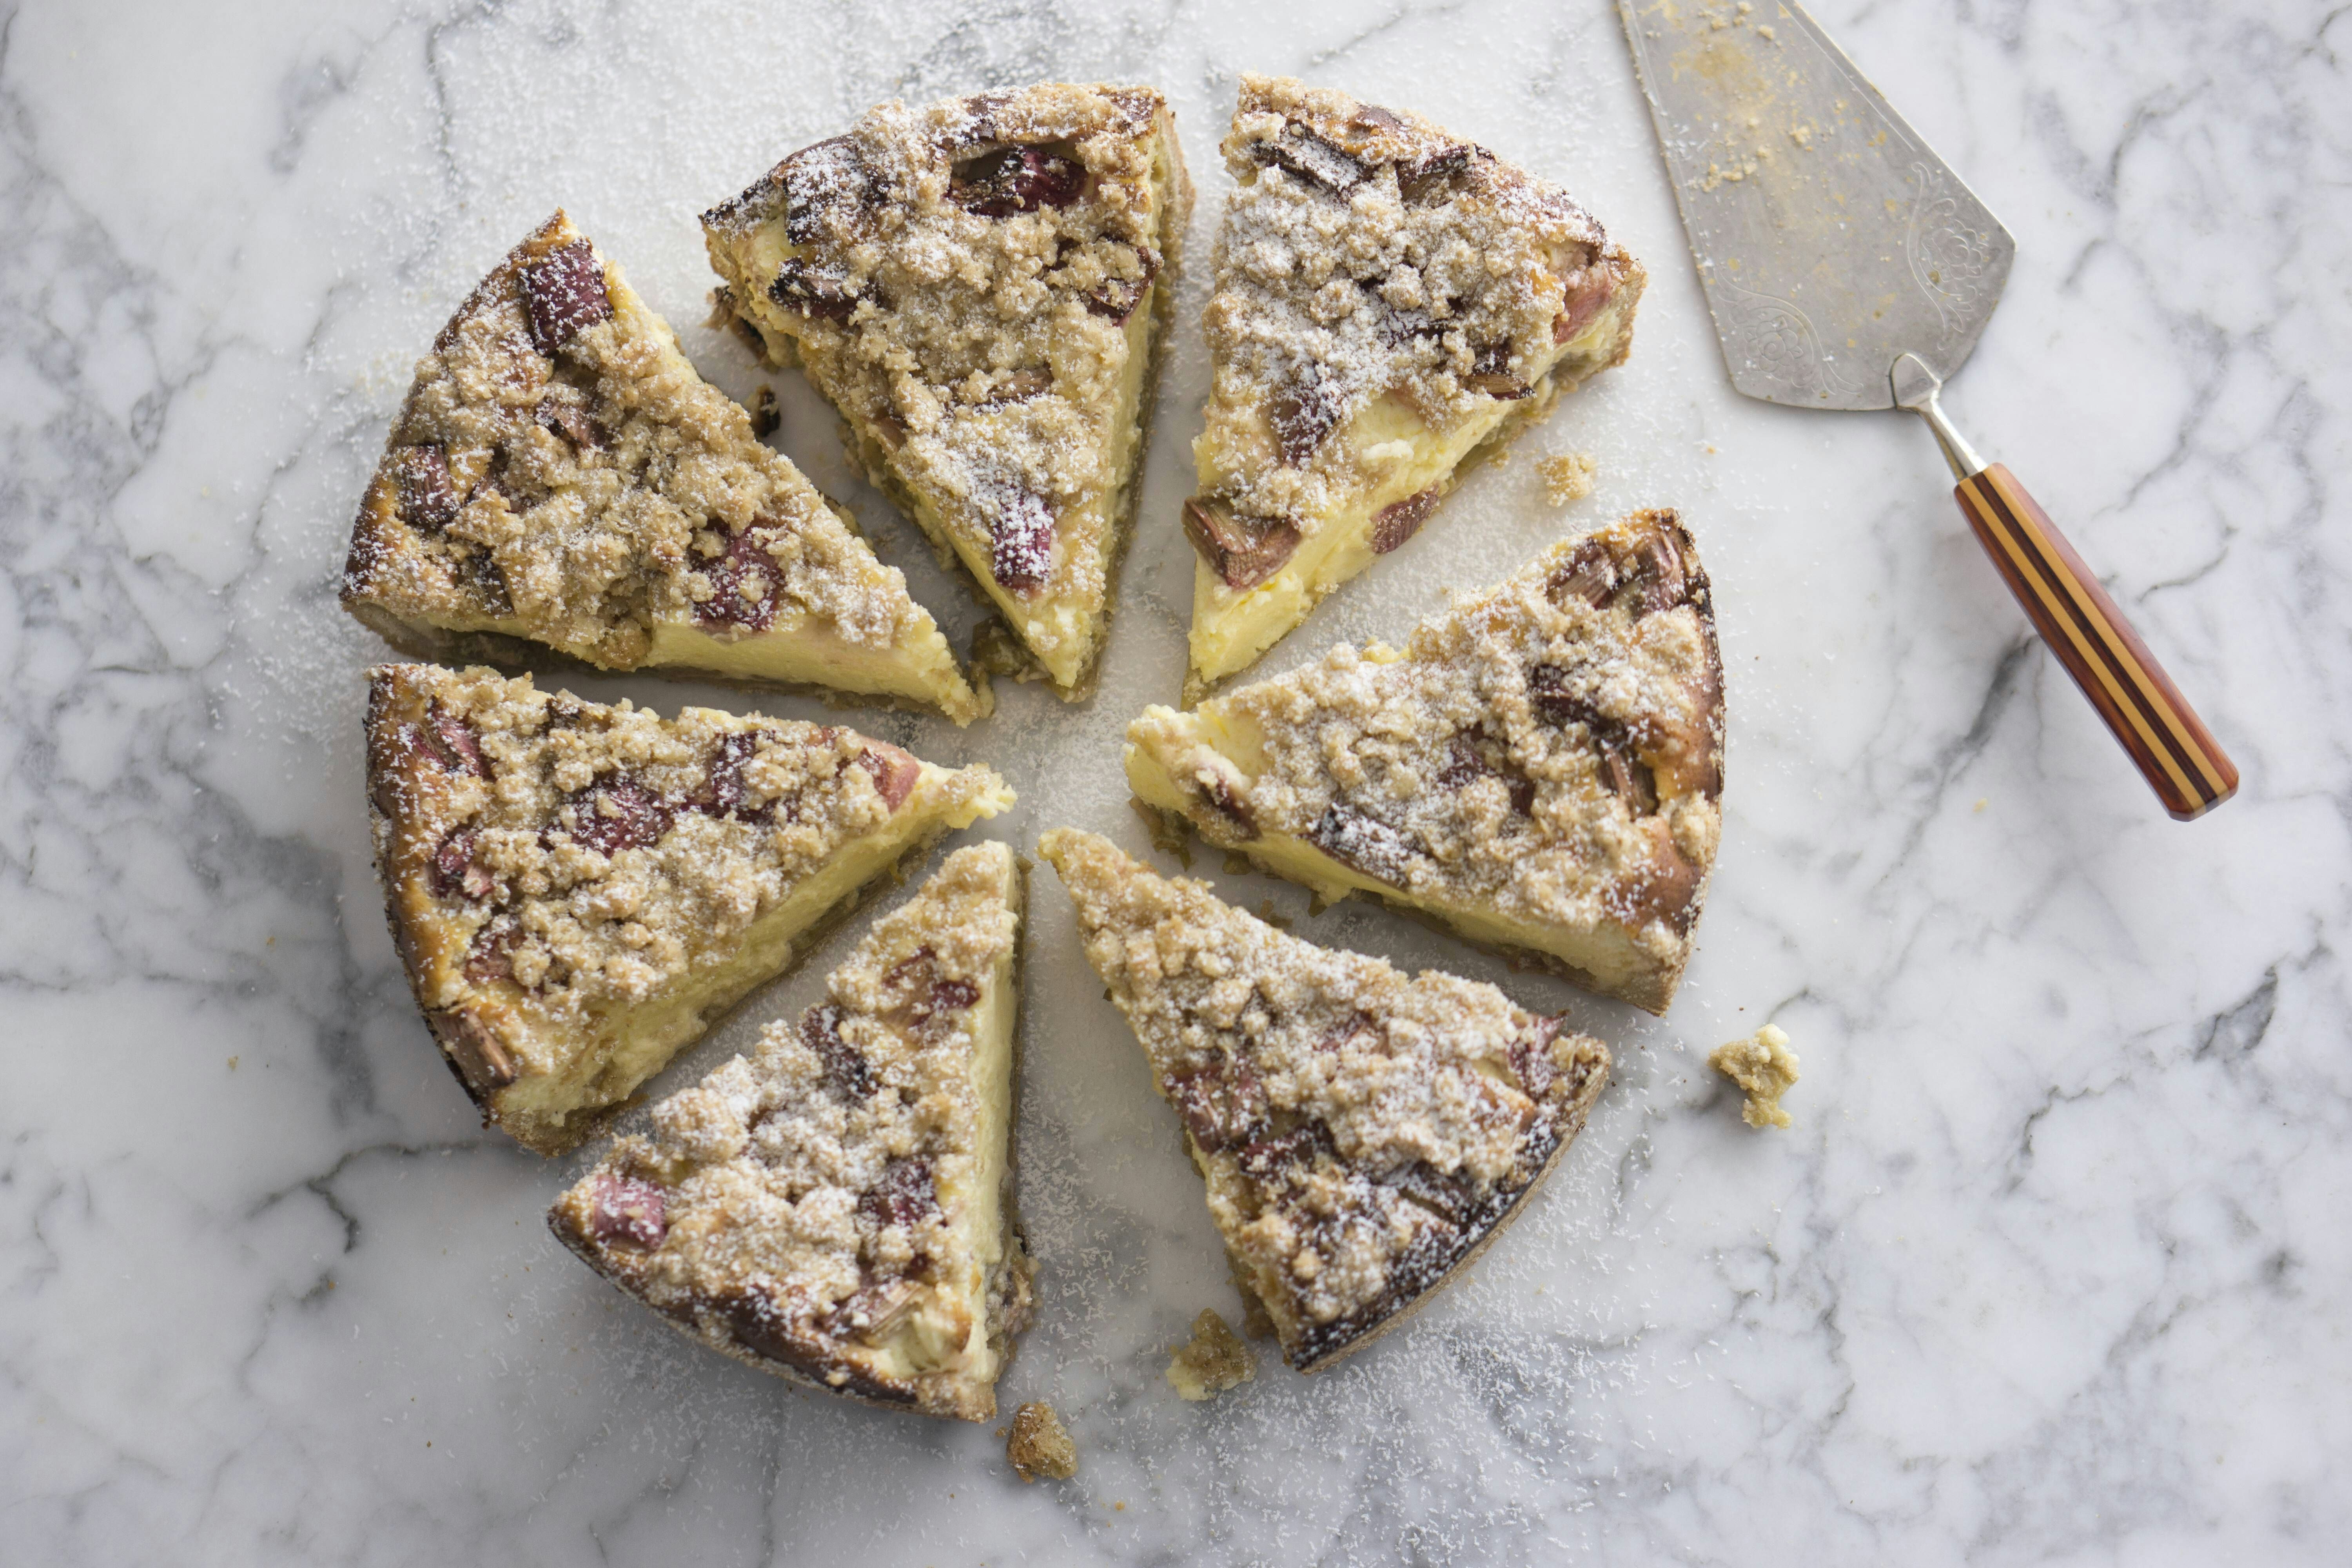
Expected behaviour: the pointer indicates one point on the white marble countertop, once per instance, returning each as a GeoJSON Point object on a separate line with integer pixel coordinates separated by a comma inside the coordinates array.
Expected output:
{"type": "Point", "coordinates": [2048, 1270]}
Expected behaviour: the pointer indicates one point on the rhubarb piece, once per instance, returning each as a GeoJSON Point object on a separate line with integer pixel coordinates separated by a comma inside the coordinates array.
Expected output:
{"type": "Point", "coordinates": [1391, 302]}
{"type": "Point", "coordinates": [838, 1208]}
{"type": "Point", "coordinates": [1363, 1135]}
{"type": "Point", "coordinates": [1033, 228]}
{"type": "Point", "coordinates": [1540, 770]}
{"type": "Point", "coordinates": [576, 891]}
{"type": "Point", "coordinates": [561, 487]}
{"type": "Point", "coordinates": [1242, 551]}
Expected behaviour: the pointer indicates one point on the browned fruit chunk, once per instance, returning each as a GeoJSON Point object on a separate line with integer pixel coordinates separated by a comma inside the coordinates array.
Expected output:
{"type": "Point", "coordinates": [455, 871]}
{"type": "Point", "coordinates": [1664, 583]}
{"type": "Point", "coordinates": [904, 1195]}
{"type": "Point", "coordinates": [1300, 152]}
{"type": "Point", "coordinates": [813, 290]}
{"type": "Point", "coordinates": [428, 496]}
{"type": "Point", "coordinates": [845, 1066]}
{"type": "Point", "coordinates": [895, 772]}
{"type": "Point", "coordinates": [764, 417]}
{"type": "Point", "coordinates": [1447, 1197]}
{"type": "Point", "coordinates": [1119, 297]}
{"type": "Point", "coordinates": [1465, 765]}
{"type": "Point", "coordinates": [1369, 846]}
{"type": "Point", "coordinates": [491, 956]}
{"type": "Point", "coordinates": [1021, 554]}
{"type": "Point", "coordinates": [573, 422]}
{"type": "Point", "coordinates": [626, 1212]}
{"type": "Point", "coordinates": [1393, 525]}
{"type": "Point", "coordinates": [1582, 301]}
{"type": "Point", "coordinates": [1244, 550]}
{"type": "Point", "coordinates": [1220, 1111]}
{"type": "Point", "coordinates": [745, 563]}
{"type": "Point", "coordinates": [480, 1059]}
{"type": "Point", "coordinates": [1629, 778]}
{"type": "Point", "coordinates": [827, 183]}
{"type": "Point", "coordinates": [872, 1313]}
{"type": "Point", "coordinates": [724, 790]}
{"type": "Point", "coordinates": [564, 291]}
{"type": "Point", "coordinates": [1016, 180]}
{"type": "Point", "coordinates": [451, 742]}
{"type": "Point", "coordinates": [1590, 575]}
{"type": "Point", "coordinates": [1531, 1058]}
{"type": "Point", "coordinates": [618, 813]}
{"type": "Point", "coordinates": [1307, 409]}
{"type": "Point", "coordinates": [1427, 177]}
{"type": "Point", "coordinates": [1665, 886]}
{"type": "Point", "coordinates": [1490, 374]}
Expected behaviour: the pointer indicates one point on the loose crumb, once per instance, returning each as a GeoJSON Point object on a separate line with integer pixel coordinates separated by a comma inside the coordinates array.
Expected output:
{"type": "Point", "coordinates": [1566, 478]}
{"type": "Point", "coordinates": [1763, 1067]}
{"type": "Point", "coordinates": [1039, 1446]}
{"type": "Point", "coordinates": [1214, 1361]}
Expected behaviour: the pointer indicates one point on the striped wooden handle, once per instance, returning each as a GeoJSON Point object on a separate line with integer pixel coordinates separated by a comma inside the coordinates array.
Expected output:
{"type": "Point", "coordinates": [2176, 754]}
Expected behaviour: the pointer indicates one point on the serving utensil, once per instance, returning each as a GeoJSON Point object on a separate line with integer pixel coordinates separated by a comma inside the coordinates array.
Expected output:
{"type": "Point", "coordinates": [1848, 268]}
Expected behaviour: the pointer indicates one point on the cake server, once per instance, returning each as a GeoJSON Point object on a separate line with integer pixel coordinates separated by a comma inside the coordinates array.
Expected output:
{"type": "Point", "coordinates": [1848, 268]}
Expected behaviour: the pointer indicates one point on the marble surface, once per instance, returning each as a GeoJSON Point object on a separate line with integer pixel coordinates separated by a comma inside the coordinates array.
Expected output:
{"type": "Point", "coordinates": [2049, 1269]}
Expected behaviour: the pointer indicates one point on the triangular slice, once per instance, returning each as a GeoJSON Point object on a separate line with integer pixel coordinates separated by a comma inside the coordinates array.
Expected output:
{"type": "Point", "coordinates": [561, 486]}
{"type": "Point", "coordinates": [576, 890]}
{"type": "Point", "coordinates": [1389, 300]}
{"type": "Point", "coordinates": [1539, 769]}
{"type": "Point", "coordinates": [1363, 1135]}
{"type": "Point", "coordinates": [981, 286]}
{"type": "Point", "coordinates": [838, 1208]}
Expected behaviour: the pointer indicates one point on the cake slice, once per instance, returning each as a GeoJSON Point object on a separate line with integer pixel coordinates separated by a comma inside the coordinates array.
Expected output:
{"type": "Point", "coordinates": [1363, 1135]}
{"type": "Point", "coordinates": [981, 286]}
{"type": "Point", "coordinates": [838, 1208]}
{"type": "Point", "coordinates": [1390, 300]}
{"type": "Point", "coordinates": [576, 890]}
{"type": "Point", "coordinates": [561, 488]}
{"type": "Point", "coordinates": [1539, 769]}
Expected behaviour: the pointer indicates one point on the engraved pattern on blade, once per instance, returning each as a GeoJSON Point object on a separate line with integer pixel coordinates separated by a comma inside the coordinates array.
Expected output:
{"type": "Point", "coordinates": [1829, 237]}
{"type": "Point", "coordinates": [1950, 259]}
{"type": "Point", "coordinates": [1770, 341]}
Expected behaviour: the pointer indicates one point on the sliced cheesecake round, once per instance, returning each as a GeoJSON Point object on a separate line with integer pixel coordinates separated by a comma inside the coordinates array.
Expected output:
{"type": "Point", "coordinates": [1391, 302]}
{"type": "Point", "coordinates": [576, 890]}
{"type": "Point", "coordinates": [561, 488]}
{"type": "Point", "coordinates": [838, 1208]}
{"type": "Point", "coordinates": [1539, 769]}
{"type": "Point", "coordinates": [1363, 1134]}
{"type": "Point", "coordinates": [981, 288]}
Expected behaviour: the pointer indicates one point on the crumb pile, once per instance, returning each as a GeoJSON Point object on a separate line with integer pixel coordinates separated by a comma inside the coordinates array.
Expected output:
{"type": "Point", "coordinates": [1212, 1362]}
{"type": "Point", "coordinates": [1765, 1069]}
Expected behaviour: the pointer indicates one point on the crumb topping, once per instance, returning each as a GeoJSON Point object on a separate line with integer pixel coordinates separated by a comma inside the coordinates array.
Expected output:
{"type": "Point", "coordinates": [957, 278]}
{"type": "Point", "coordinates": [1368, 253]}
{"type": "Point", "coordinates": [1212, 1360]}
{"type": "Point", "coordinates": [1358, 1130]}
{"type": "Point", "coordinates": [1566, 478]}
{"type": "Point", "coordinates": [819, 1175]}
{"type": "Point", "coordinates": [1038, 1444]}
{"type": "Point", "coordinates": [1549, 748]}
{"type": "Point", "coordinates": [561, 469]}
{"type": "Point", "coordinates": [1765, 1069]}
{"type": "Point", "coordinates": [586, 857]}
